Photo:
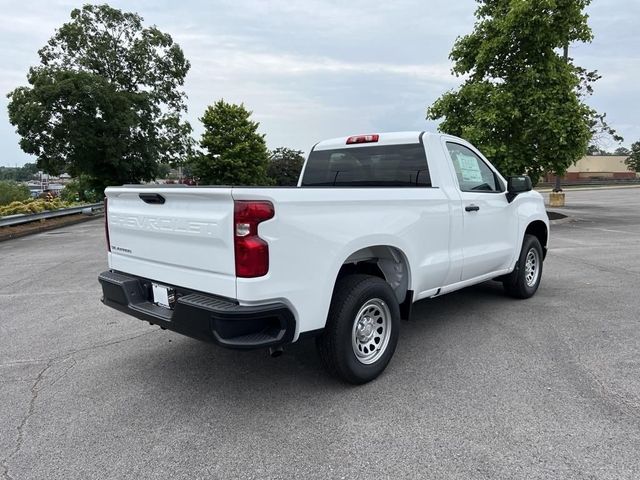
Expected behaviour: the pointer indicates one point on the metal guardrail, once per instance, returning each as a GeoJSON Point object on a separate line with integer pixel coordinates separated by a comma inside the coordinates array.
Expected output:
{"type": "Point", "coordinates": [20, 219]}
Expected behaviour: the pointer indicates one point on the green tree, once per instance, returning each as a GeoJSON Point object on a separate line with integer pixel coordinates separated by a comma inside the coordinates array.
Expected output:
{"type": "Point", "coordinates": [595, 150]}
{"type": "Point", "coordinates": [522, 103]}
{"type": "Point", "coordinates": [13, 192]}
{"type": "Point", "coordinates": [163, 171]}
{"type": "Point", "coordinates": [622, 151]}
{"type": "Point", "coordinates": [105, 101]}
{"type": "Point", "coordinates": [234, 152]}
{"type": "Point", "coordinates": [27, 172]}
{"type": "Point", "coordinates": [19, 174]}
{"type": "Point", "coordinates": [633, 161]}
{"type": "Point", "coordinates": [285, 165]}
{"type": "Point", "coordinates": [81, 188]}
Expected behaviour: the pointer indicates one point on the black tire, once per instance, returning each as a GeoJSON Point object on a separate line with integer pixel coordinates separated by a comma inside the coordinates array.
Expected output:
{"type": "Point", "coordinates": [517, 284]}
{"type": "Point", "coordinates": [335, 346]}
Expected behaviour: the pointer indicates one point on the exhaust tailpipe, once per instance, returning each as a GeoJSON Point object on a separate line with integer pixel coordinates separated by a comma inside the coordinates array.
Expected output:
{"type": "Point", "coordinates": [275, 351]}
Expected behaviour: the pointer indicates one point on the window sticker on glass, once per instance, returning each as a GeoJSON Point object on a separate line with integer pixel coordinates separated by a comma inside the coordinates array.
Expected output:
{"type": "Point", "coordinates": [469, 168]}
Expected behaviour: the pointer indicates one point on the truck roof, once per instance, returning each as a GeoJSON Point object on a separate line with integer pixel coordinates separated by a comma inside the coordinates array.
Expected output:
{"type": "Point", "coordinates": [384, 138]}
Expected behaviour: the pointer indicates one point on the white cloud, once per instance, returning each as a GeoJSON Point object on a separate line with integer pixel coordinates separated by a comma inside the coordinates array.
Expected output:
{"type": "Point", "coordinates": [322, 68]}
{"type": "Point", "coordinates": [235, 62]}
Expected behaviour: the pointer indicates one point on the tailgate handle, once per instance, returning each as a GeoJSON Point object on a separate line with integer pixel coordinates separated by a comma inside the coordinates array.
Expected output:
{"type": "Point", "coordinates": [153, 198]}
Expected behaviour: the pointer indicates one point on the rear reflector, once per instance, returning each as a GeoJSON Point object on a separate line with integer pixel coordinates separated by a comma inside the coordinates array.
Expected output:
{"type": "Point", "coordinates": [251, 251]}
{"type": "Point", "coordinates": [363, 139]}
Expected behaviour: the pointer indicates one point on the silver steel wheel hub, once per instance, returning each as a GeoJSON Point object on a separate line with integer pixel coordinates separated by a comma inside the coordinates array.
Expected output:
{"type": "Point", "coordinates": [365, 329]}
{"type": "Point", "coordinates": [532, 267]}
{"type": "Point", "coordinates": [371, 331]}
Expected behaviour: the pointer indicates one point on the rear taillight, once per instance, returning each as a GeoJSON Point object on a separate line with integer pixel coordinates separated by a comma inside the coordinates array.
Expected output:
{"type": "Point", "coordinates": [363, 139]}
{"type": "Point", "coordinates": [252, 252]}
{"type": "Point", "coordinates": [106, 224]}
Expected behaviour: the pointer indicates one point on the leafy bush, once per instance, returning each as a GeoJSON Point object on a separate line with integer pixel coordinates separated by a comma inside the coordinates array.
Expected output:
{"type": "Point", "coordinates": [79, 189]}
{"type": "Point", "coordinates": [30, 206]}
{"type": "Point", "coordinates": [71, 191]}
{"type": "Point", "coordinates": [12, 191]}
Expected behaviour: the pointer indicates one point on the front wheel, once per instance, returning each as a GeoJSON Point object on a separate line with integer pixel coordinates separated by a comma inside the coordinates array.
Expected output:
{"type": "Point", "coordinates": [362, 329]}
{"type": "Point", "coordinates": [523, 282]}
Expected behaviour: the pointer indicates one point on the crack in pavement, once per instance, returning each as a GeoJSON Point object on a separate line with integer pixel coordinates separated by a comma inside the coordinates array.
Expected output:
{"type": "Point", "coordinates": [20, 436]}
{"type": "Point", "coordinates": [66, 370]}
{"type": "Point", "coordinates": [63, 357]}
{"type": "Point", "coordinates": [36, 389]}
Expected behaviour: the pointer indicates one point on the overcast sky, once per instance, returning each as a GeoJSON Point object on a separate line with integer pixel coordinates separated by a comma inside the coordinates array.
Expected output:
{"type": "Point", "coordinates": [316, 69]}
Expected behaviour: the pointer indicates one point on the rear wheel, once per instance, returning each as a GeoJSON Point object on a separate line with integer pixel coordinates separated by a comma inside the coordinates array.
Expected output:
{"type": "Point", "coordinates": [362, 329]}
{"type": "Point", "coordinates": [523, 282]}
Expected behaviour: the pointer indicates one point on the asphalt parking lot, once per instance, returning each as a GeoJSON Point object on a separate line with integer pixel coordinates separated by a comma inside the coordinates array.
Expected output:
{"type": "Point", "coordinates": [481, 386]}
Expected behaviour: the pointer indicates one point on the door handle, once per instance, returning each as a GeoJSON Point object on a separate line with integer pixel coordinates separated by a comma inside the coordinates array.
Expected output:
{"type": "Point", "coordinates": [472, 208]}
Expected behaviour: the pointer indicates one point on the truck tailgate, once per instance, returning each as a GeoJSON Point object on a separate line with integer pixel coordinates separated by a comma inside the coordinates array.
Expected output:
{"type": "Point", "coordinates": [174, 235]}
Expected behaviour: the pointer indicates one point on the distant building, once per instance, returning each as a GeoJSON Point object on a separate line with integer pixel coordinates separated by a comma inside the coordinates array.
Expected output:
{"type": "Point", "coordinates": [597, 167]}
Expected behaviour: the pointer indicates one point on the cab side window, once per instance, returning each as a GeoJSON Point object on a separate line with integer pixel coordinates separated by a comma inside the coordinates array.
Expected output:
{"type": "Point", "coordinates": [474, 175]}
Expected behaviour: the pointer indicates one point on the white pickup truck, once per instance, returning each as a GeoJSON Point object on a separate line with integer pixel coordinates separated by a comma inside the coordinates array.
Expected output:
{"type": "Point", "coordinates": [376, 223]}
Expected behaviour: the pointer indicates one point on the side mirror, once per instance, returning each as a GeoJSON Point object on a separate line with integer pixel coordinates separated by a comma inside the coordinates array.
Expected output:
{"type": "Point", "coordinates": [516, 185]}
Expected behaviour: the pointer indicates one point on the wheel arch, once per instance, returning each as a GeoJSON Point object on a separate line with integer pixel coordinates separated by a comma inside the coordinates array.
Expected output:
{"type": "Point", "coordinates": [386, 262]}
{"type": "Point", "coordinates": [539, 229]}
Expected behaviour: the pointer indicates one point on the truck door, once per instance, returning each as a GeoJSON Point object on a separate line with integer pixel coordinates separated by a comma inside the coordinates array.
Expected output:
{"type": "Point", "coordinates": [489, 221]}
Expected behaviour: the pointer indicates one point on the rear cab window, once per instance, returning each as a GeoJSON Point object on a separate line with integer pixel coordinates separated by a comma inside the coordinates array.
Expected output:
{"type": "Point", "coordinates": [368, 166]}
{"type": "Point", "coordinates": [474, 175]}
